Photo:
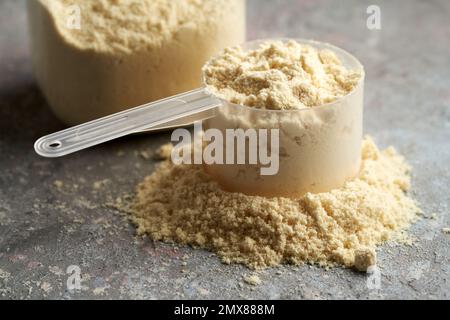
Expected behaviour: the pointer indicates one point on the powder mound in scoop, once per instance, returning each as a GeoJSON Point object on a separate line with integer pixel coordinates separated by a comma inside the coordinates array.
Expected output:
{"type": "Point", "coordinates": [280, 76]}
{"type": "Point", "coordinates": [182, 204]}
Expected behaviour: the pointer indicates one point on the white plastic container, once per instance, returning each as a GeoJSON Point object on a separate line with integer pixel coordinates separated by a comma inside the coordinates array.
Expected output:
{"type": "Point", "coordinates": [83, 84]}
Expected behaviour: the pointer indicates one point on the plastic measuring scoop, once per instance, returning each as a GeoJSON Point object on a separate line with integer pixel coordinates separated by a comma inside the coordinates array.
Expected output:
{"type": "Point", "coordinates": [177, 110]}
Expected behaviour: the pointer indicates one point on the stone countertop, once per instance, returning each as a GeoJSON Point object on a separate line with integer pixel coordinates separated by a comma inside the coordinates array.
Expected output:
{"type": "Point", "coordinates": [53, 214]}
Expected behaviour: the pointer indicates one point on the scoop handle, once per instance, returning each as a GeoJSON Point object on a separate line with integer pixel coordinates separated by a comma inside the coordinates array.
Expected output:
{"type": "Point", "coordinates": [142, 118]}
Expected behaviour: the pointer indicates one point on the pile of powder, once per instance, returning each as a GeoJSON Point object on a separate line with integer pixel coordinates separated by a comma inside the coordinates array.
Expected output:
{"type": "Point", "coordinates": [280, 76]}
{"type": "Point", "coordinates": [130, 25]}
{"type": "Point", "coordinates": [342, 227]}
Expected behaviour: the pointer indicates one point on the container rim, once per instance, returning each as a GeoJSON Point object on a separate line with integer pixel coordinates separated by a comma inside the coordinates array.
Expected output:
{"type": "Point", "coordinates": [314, 43]}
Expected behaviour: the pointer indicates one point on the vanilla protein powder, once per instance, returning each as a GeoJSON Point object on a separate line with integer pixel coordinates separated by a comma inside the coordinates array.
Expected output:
{"type": "Point", "coordinates": [280, 76]}
{"type": "Point", "coordinates": [93, 58]}
{"type": "Point", "coordinates": [341, 227]}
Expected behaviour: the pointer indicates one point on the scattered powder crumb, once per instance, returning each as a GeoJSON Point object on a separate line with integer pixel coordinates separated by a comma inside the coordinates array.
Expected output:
{"type": "Point", "coordinates": [99, 291]}
{"type": "Point", "coordinates": [164, 152]}
{"type": "Point", "coordinates": [79, 221]}
{"type": "Point", "coordinates": [4, 219]}
{"type": "Point", "coordinates": [46, 287]}
{"type": "Point", "coordinates": [97, 185]}
{"type": "Point", "coordinates": [185, 257]}
{"type": "Point", "coordinates": [56, 270]}
{"type": "Point", "coordinates": [103, 222]}
{"type": "Point", "coordinates": [58, 184]}
{"type": "Point", "coordinates": [280, 75]}
{"type": "Point", "coordinates": [183, 204]}
{"type": "Point", "coordinates": [433, 216]}
{"type": "Point", "coordinates": [4, 275]}
{"type": "Point", "coordinates": [446, 230]}
{"type": "Point", "coordinates": [82, 202]}
{"type": "Point", "coordinates": [203, 292]}
{"type": "Point", "coordinates": [253, 280]}
{"type": "Point", "coordinates": [145, 155]}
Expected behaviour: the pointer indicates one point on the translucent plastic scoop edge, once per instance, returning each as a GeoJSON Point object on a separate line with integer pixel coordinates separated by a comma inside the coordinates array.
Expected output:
{"type": "Point", "coordinates": [157, 114]}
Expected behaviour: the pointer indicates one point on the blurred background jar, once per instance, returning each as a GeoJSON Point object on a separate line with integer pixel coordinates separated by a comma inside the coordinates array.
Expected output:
{"type": "Point", "coordinates": [94, 58]}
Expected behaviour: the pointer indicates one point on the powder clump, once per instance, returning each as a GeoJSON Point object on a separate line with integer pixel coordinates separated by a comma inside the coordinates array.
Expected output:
{"type": "Point", "coordinates": [280, 76]}
{"type": "Point", "coordinates": [252, 280]}
{"type": "Point", "coordinates": [342, 227]}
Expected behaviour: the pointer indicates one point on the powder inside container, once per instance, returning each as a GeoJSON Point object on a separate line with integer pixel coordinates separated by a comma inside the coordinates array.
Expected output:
{"type": "Point", "coordinates": [280, 76]}
{"type": "Point", "coordinates": [183, 204]}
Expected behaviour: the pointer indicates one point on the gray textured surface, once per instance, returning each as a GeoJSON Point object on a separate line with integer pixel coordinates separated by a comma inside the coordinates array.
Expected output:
{"type": "Point", "coordinates": [45, 229]}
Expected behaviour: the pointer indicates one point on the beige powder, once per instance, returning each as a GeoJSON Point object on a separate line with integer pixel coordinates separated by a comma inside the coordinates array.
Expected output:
{"type": "Point", "coordinates": [365, 258]}
{"type": "Point", "coordinates": [252, 280]}
{"type": "Point", "coordinates": [164, 152]}
{"type": "Point", "coordinates": [341, 227]}
{"type": "Point", "coordinates": [129, 25]}
{"type": "Point", "coordinates": [280, 75]}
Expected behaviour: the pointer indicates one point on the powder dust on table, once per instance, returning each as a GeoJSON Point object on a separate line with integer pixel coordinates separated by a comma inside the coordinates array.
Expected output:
{"type": "Point", "coordinates": [343, 227]}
